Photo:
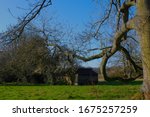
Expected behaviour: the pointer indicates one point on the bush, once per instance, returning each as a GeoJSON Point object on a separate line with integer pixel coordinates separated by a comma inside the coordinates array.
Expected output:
{"type": "Point", "coordinates": [32, 61]}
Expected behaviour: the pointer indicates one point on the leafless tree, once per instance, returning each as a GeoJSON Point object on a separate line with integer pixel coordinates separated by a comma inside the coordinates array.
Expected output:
{"type": "Point", "coordinates": [140, 22]}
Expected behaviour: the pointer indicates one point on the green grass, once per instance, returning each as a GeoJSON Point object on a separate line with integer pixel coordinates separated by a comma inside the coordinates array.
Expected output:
{"type": "Point", "coordinates": [103, 91]}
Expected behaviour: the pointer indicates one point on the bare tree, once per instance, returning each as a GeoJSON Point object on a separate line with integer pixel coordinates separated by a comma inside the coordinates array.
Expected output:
{"type": "Point", "coordinates": [140, 22]}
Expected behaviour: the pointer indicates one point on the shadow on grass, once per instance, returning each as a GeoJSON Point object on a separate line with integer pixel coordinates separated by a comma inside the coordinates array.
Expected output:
{"type": "Point", "coordinates": [22, 84]}
{"type": "Point", "coordinates": [120, 83]}
{"type": "Point", "coordinates": [77, 97]}
{"type": "Point", "coordinates": [115, 83]}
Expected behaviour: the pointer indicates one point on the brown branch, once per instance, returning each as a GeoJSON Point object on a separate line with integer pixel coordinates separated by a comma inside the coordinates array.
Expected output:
{"type": "Point", "coordinates": [99, 48]}
{"type": "Point", "coordinates": [109, 79]}
{"type": "Point", "coordinates": [126, 5]}
{"type": "Point", "coordinates": [85, 59]}
{"type": "Point", "coordinates": [131, 37]}
{"type": "Point", "coordinates": [116, 46]}
{"type": "Point", "coordinates": [126, 53]}
{"type": "Point", "coordinates": [119, 34]}
{"type": "Point", "coordinates": [17, 30]}
{"type": "Point", "coordinates": [98, 24]}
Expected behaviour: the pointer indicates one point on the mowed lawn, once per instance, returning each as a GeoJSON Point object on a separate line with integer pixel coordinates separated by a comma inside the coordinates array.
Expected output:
{"type": "Point", "coordinates": [103, 91]}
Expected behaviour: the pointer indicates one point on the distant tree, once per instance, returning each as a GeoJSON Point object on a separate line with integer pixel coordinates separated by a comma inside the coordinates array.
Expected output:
{"type": "Point", "coordinates": [64, 65]}
{"type": "Point", "coordinates": [28, 58]}
{"type": "Point", "coordinates": [33, 60]}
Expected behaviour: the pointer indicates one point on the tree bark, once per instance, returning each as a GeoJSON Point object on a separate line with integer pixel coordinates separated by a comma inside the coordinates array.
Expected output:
{"type": "Point", "coordinates": [143, 12]}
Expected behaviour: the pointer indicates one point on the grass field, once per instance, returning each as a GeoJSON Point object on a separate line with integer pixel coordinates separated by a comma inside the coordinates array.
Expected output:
{"type": "Point", "coordinates": [103, 91]}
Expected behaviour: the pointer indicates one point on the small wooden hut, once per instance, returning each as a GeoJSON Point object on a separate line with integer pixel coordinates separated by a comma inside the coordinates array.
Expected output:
{"type": "Point", "coordinates": [86, 76]}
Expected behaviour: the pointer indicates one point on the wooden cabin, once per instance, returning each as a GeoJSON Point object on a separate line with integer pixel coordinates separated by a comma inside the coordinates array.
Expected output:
{"type": "Point", "coordinates": [86, 76]}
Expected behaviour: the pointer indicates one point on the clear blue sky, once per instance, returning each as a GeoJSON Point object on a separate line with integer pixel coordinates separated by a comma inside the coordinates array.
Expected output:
{"type": "Point", "coordinates": [76, 13]}
{"type": "Point", "coordinates": [73, 12]}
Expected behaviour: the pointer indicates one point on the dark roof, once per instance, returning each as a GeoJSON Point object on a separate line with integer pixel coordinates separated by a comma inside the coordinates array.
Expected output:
{"type": "Point", "coordinates": [86, 71]}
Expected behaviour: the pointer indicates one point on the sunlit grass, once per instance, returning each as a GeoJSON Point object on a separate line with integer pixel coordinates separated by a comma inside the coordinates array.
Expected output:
{"type": "Point", "coordinates": [103, 91]}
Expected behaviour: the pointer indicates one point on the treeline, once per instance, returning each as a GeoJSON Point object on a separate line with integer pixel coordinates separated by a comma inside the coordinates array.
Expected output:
{"type": "Point", "coordinates": [31, 60]}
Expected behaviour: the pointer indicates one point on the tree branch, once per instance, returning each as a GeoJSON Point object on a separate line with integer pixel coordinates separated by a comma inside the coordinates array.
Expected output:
{"type": "Point", "coordinates": [17, 30]}
{"type": "Point", "coordinates": [124, 51]}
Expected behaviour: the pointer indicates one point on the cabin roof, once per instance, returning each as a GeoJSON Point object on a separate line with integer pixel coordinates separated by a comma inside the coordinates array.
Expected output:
{"type": "Point", "coordinates": [86, 71]}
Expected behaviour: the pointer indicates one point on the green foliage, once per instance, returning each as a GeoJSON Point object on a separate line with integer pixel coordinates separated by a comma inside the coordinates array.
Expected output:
{"type": "Point", "coordinates": [27, 58]}
{"type": "Point", "coordinates": [30, 60]}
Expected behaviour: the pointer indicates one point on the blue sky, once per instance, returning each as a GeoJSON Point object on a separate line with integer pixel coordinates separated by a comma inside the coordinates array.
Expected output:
{"type": "Point", "coordinates": [76, 13]}
{"type": "Point", "coordinates": [73, 12]}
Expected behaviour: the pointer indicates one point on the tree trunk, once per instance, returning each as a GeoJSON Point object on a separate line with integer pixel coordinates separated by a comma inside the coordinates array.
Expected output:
{"type": "Point", "coordinates": [143, 12]}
